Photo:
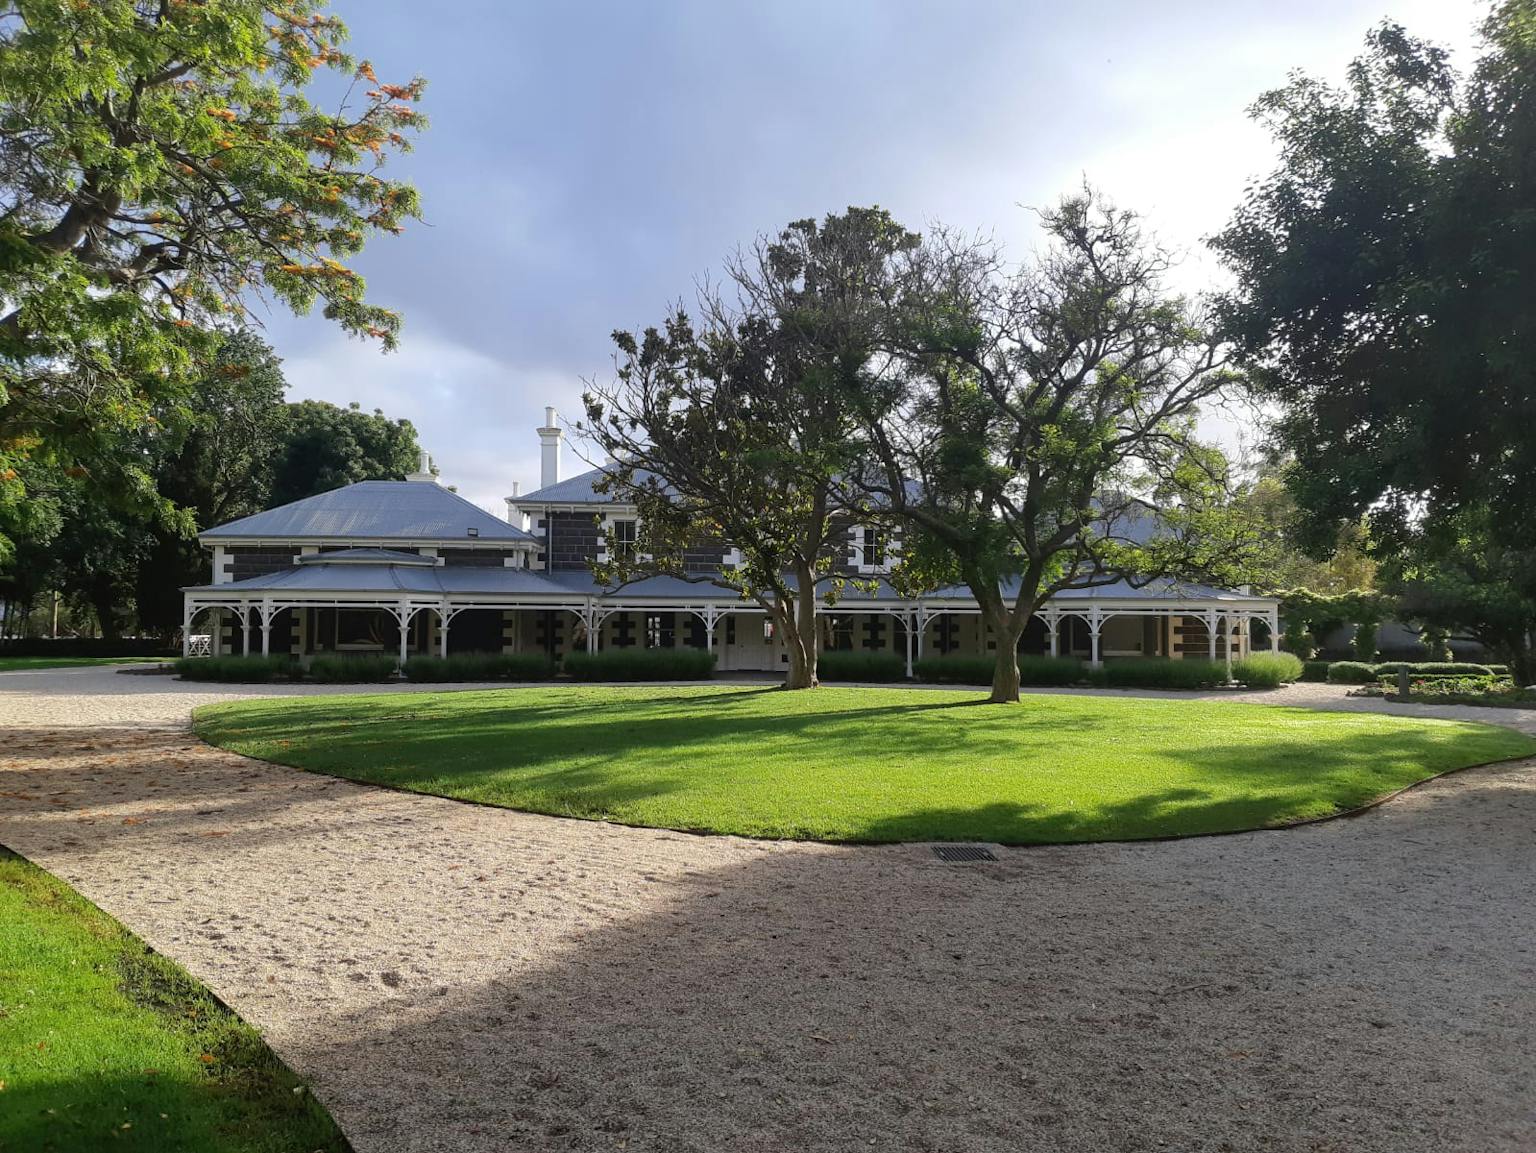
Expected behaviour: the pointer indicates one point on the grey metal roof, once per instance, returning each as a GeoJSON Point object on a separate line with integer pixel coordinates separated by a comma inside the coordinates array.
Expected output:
{"type": "Point", "coordinates": [576, 489]}
{"type": "Point", "coordinates": [367, 556]}
{"type": "Point", "coordinates": [438, 580]}
{"type": "Point", "coordinates": [404, 510]}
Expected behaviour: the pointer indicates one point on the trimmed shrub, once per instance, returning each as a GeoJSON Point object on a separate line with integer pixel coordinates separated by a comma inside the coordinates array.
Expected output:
{"type": "Point", "coordinates": [480, 667]}
{"type": "Point", "coordinates": [1159, 673]}
{"type": "Point", "coordinates": [364, 668]}
{"type": "Point", "coordinates": [641, 665]}
{"type": "Point", "coordinates": [1351, 673]}
{"type": "Point", "coordinates": [1036, 671]}
{"type": "Point", "coordinates": [955, 670]}
{"type": "Point", "coordinates": [253, 670]}
{"type": "Point", "coordinates": [1267, 670]}
{"type": "Point", "coordinates": [1314, 670]}
{"type": "Point", "coordinates": [860, 666]}
{"type": "Point", "coordinates": [1432, 668]}
{"type": "Point", "coordinates": [86, 647]}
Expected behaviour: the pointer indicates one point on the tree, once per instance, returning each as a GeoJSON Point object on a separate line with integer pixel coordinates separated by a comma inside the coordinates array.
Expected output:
{"type": "Point", "coordinates": [1043, 432]}
{"type": "Point", "coordinates": [1385, 278]}
{"type": "Point", "coordinates": [213, 458]}
{"type": "Point", "coordinates": [321, 447]}
{"type": "Point", "coordinates": [1463, 578]}
{"type": "Point", "coordinates": [737, 428]}
{"type": "Point", "coordinates": [160, 167]}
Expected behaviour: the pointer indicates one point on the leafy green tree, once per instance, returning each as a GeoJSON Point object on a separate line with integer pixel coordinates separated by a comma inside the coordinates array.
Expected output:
{"type": "Point", "coordinates": [160, 168]}
{"type": "Point", "coordinates": [737, 428]}
{"type": "Point", "coordinates": [322, 446]}
{"type": "Point", "coordinates": [1463, 578]}
{"type": "Point", "coordinates": [214, 459]}
{"type": "Point", "coordinates": [1386, 273]}
{"type": "Point", "coordinates": [1043, 431]}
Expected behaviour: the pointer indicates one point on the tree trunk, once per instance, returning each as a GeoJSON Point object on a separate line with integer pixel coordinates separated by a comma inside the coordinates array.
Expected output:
{"type": "Point", "coordinates": [797, 621]}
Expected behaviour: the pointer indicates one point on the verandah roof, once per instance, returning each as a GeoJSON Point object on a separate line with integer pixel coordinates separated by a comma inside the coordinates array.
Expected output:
{"type": "Point", "coordinates": [316, 576]}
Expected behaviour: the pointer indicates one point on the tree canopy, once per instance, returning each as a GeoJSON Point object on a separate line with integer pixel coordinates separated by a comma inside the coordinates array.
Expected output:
{"type": "Point", "coordinates": [1384, 277]}
{"type": "Point", "coordinates": [161, 168]}
{"type": "Point", "coordinates": [1042, 428]}
{"type": "Point", "coordinates": [735, 427]}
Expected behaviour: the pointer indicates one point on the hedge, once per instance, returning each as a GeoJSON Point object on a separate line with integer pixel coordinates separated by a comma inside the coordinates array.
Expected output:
{"type": "Point", "coordinates": [85, 647]}
{"type": "Point", "coordinates": [1159, 673]}
{"type": "Point", "coordinates": [979, 670]}
{"type": "Point", "coordinates": [860, 666]}
{"type": "Point", "coordinates": [641, 665]}
{"type": "Point", "coordinates": [1428, 668]}
{"type": "Point", "coordinates": [1359, 673]}
{"type": "Point", "coordinates": [480, 667]}
{"type": "Point", "coordinates": [1351, 673]}
{"type": "Point", "coordinates": [363, 668]}
{"type": "Point", "coordinates": [1314, 670]}
{"type": "Point", "coordinates": [239, 670]}
{"type": "Point", "coordinates": [1267, 670]}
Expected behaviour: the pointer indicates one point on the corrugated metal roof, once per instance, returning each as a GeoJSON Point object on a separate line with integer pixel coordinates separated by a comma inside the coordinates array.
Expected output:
{"type": "Point", "coordinates": [576, 489]}
{"type": "Point", "coordinates": [441, 580]}
{"type": "Point", "coordinates": [367, 556]}
{"type": "Point", "coordinates": [412, 510]}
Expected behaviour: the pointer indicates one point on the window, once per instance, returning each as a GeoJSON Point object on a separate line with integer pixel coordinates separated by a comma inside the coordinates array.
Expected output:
{"type": "Point", "coordinates": [660, 630]}
{"type": "Point", "coordinates": [874, 547]}
{"type": "Point", "coordinates": [621, 538]}
{"type": "Point", "coordinates": [840, 633]}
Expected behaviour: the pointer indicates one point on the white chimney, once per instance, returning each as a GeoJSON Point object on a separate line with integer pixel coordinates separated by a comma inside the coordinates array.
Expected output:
{"type": "Point", "coordinates": [513, 516]}
{"type": "Point", "coordinates": [549, 448]}
{"type": "Point", "coordinates": [423, 468]}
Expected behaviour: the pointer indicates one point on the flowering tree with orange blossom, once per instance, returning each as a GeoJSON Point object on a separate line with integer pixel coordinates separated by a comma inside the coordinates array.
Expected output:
{"type": "Point", "coordinates": [161, 169]}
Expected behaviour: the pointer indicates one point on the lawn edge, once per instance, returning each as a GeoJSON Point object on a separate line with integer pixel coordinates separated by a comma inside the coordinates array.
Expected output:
{"type": "Point", "coordinates": [1302, 822]}
{"type": "Point", "coordinates": [138, 941]}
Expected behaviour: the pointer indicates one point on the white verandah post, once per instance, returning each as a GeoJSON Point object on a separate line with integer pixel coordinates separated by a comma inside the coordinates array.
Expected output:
{"type": "Point", "coordinates": [907, 620]}
{"type": "Point", "coordinates": [1095, 624]}
{"type": "Point", "coordinates": [443, 619]}
{"type": "Point", "coordinates": [245, 628]}
{"type": "Point", "coordinates": [1273, 620]}
{"type": "Point", "coordinates": [1210, 632]}
{"type": "Point", "coordinates": [403, 618]}
{"type": "Point", "coordinates": [1052, 620]}
{"type": "Point", "coordinates": [266, 628]}
{"type": "Point", "coordinates": [188, 613]}
{"type": "Point", "coordinates": [709, 628]}
{"type": "Point", "coordinates": [589, 619]}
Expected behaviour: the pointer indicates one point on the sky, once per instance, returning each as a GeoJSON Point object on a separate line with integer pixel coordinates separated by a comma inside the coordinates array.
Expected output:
{"type": "Point", "coordinates": [589, 162]}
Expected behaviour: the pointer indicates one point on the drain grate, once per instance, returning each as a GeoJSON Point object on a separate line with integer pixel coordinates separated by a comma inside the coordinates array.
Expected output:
{"type": "Point", "coordinates": [963, 853]}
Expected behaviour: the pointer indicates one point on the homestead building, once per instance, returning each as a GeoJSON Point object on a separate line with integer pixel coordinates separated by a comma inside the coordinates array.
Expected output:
{"type": "Point", "coordinates": [409, 567]}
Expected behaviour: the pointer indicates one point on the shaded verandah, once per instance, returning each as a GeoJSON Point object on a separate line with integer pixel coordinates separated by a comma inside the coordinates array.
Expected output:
{"type": "Point", "coordinates": [737, 631]}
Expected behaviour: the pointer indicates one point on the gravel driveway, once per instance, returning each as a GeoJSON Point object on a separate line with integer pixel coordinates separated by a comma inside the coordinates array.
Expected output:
{"type": "Point", "coordinates": [453, 977]}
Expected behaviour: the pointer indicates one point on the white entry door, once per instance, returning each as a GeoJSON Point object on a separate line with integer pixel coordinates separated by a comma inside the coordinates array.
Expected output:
{"type": "Point", "coordinates": [743, 648]}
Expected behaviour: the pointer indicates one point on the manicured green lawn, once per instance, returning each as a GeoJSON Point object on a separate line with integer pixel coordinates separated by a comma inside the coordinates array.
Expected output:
{"type": "Point", "coordinates": [863, 764]}
{"type": "Point", "coordinates": [105, 1045]}
{"type": "Point", "coordinates": [12, 664]}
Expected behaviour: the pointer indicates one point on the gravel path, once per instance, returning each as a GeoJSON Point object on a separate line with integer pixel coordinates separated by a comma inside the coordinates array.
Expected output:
{"type": "Point", "coordinates": [454, 977]}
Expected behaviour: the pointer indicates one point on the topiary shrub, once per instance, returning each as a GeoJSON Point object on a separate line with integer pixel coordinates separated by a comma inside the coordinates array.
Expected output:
{"type": "Point", "coordinates": [1267, 670]}
{"type": "Point", "coordinates": [641, 665]}
{"type": "Point", "coordinates": [1351, 673]}
{"type": "Point", "coordinates": [462, 667]}
{"type": "Point", "coordinates": [363, 668]}
{"type": "Point", "coordinates": [860, 666]}
{"type": "Point", "coordinates": [1159, 673]}
{"type": "Point", "coordinates": [1314, 670]}
{"type": "Point", "coordinates": [252, 670]}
